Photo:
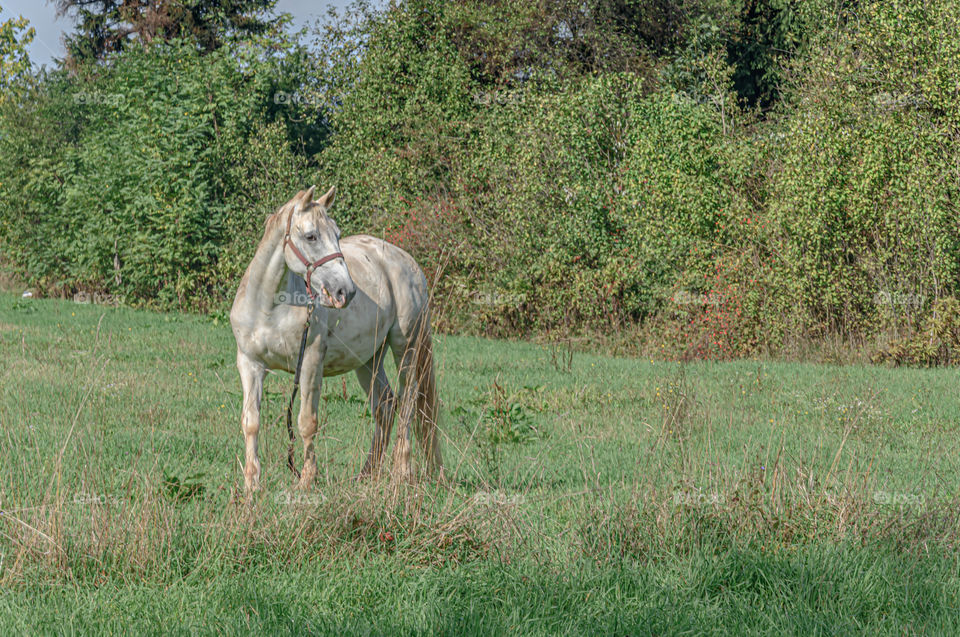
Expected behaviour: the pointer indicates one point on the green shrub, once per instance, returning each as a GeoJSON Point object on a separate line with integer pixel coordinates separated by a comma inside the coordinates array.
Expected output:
{"type": "Point", "coordinates": [563, 166]}
{"type": "Point", "coordinates": [861, 197]}
{"type": "Point", "coordinates": [604, 197]}
{"type": "Point", "coordinates": [155, 179]}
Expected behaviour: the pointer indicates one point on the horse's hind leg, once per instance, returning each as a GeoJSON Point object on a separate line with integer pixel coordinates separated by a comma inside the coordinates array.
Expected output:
{"type": "Point", "coordinates": [404, 351]}
{"type": "Point", "coordinates": [413, 352]}
{"type": "Point", "coordinates": [382, 405]}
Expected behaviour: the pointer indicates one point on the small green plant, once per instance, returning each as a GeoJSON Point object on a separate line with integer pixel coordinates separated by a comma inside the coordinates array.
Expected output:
{"type": "Point", "coordinates": [506, 420]}
{"type": "Point", "coordinates": [177, 489]}
{"type": "Point", "coordinates": [24, 306]}
{"type": "Point", "coordinates": [561, 355]}
{"type": "Point", "coordinates": [219, 317]}
{"type": "Point", "coordinates": [677, 402]}
{"type": "Point", "coordinates": [496, 418]}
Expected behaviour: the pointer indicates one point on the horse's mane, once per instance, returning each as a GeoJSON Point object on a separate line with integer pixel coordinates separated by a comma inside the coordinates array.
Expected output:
{"type": "Point", "coordinates": [274, 218]}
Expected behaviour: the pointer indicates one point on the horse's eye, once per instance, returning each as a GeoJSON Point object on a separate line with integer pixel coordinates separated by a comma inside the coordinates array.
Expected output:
{"type": "Point", "coordinates": [311, 236]}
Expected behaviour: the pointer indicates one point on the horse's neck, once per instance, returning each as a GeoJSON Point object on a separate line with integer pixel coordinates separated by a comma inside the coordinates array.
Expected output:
{"type": "Point", "coordinates": [266, 272]}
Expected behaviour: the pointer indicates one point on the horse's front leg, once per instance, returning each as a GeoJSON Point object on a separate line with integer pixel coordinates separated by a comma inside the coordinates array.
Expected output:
{"type": "Point", "coordinates": [311, 378]}
{"type": "Point", "coordinates": [251, 379]}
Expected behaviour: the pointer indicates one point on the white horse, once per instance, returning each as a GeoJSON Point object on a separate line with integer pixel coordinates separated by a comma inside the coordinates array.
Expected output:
{"type": "Point", "coordinates": [369, 295]}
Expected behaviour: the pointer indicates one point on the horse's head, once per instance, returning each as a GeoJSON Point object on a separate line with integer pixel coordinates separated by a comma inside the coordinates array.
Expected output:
{"type": "Point", "coordinates": [311, 248]}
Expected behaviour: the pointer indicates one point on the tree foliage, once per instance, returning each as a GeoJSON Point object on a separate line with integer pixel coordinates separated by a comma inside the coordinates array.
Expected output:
{"type": "Point", "coordinates": [109, 26]}
{"type": "Point", "coordinates": [144, 172]}
{"type": "Point", "coordinates": [729, 175]}
{"type": "Point", "coordinates": [15, 37]}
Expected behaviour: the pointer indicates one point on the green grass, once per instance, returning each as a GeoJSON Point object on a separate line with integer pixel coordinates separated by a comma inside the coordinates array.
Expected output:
{"type": "Point", "coordinates": [618, 496]}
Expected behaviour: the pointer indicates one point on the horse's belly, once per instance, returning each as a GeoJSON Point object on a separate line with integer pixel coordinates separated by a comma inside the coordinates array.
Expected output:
{"type": "Point", "coordinates": [357, 332]}
{"type": "Point", "coordinates": [355, 335]}
{"type": "Point", "coordinates": [345, 354]}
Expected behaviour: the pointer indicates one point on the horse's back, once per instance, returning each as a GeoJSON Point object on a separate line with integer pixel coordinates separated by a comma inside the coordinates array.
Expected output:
{"type": "Point", "coordinates": [372, 259]}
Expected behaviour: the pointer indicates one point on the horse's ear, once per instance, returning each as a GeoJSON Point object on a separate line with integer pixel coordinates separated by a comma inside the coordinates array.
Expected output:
{"type": "Point", "coordinates": [302, 198]}
{"type": "Point", "coordinates": [305, 196]}
{"type": "Point", "coordinates": [327, 200]}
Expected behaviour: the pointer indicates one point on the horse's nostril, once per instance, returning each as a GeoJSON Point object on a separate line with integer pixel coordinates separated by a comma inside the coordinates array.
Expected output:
{"type": "Point", "coordinates": [341, 295]}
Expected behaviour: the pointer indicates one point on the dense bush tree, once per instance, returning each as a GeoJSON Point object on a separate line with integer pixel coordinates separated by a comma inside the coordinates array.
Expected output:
{"type": "Point", "coordinates": [108, 26]}
{"type": "Point", "coordinates": [729, 175]}
{"type": "Point", "coordinates": [147, 173]}
{"type": "Point", "coordinates": [15, 37]}
{"type": "Point", "coordinates": [865, 187]}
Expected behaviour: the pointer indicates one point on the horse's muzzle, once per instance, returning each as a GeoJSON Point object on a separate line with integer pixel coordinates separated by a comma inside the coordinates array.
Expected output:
{"type": "Point", "coordinates": [343, 295]}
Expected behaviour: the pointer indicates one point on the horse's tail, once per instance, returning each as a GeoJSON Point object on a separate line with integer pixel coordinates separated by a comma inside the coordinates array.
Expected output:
{"type": "Point", "coordinates": [426, 398]}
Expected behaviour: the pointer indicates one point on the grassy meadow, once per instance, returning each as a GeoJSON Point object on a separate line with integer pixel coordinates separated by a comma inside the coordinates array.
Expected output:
{"type": "Point", "coordinates": [587, 494]}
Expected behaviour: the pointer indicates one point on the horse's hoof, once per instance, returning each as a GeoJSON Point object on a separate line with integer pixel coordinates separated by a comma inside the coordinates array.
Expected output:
{"type": "Point", "coordinates": [305, 483]}
{"type": "Point", "coordinates": [249, 496]}
{"type": "Point", "coordinates": [405, 477]}
{"type": "Point", "coordinates": [368, 475]}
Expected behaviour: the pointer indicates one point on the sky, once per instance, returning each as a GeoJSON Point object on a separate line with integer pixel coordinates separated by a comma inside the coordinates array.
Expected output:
{"type": "Point", "coordinates": [48, 44]}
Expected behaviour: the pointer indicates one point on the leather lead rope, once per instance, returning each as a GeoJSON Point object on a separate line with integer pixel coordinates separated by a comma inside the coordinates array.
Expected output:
{"type": "Point", "coordinates": [296, 387]}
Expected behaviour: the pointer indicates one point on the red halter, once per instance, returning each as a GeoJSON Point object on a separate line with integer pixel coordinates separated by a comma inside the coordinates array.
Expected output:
{"type": "Point", "coordinates": [311, 267]}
